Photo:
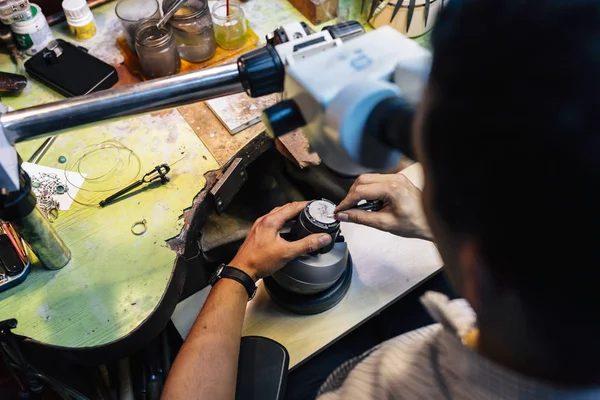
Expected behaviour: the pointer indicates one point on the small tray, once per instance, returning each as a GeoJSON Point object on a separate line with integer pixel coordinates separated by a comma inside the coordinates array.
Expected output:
{"type": "Point", "coordinates": [221, 55]}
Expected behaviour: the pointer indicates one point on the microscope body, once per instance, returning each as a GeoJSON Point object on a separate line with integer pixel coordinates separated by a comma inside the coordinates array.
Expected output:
{"type": "Point", "coordinates": [333, 93]}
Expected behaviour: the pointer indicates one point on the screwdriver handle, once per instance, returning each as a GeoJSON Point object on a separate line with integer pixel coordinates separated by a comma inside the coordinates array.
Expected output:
{"type": "Point", "coordinates": [120, 193]}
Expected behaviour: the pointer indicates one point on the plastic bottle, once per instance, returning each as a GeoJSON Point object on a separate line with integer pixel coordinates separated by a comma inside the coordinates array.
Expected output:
{"type": "Point", "coordinates": [33, 34]}
{"type": "Point", "coordinates": [80, 19]}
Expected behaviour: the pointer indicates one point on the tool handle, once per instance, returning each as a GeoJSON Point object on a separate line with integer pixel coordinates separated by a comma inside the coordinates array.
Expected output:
{"type": "Point", "coordinates": [371, 205]}
{"type": "Point", "coordinates": [120, 193]}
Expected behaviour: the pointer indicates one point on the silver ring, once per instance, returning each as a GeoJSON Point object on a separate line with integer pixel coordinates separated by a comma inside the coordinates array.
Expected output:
{"type": "Point", "coordinates": [139, 228]}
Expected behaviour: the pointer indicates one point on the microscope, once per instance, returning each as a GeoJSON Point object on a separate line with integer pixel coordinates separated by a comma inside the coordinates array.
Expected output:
{"type": "Point", "coordinates": [353, 93]}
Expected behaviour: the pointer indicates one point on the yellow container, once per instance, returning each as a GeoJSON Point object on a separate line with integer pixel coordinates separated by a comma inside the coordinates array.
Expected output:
{"type": "Point", "coordinates": [80, 19]}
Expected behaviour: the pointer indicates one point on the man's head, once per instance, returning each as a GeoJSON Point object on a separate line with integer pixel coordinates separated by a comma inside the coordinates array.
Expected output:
{"type": "Point", "coordinates": [509, 135]}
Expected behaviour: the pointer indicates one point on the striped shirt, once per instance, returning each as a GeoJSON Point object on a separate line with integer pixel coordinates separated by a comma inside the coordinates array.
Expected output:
{"type": "Point", "coordinates": [433, 363]}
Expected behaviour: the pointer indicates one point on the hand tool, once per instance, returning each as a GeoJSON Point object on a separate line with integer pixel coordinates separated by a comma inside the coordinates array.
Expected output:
{"type": "Point", "coordinates": [176, 6]}
{"type": "Point", "coordinates": [369, 205]}
{"type": "Point", "coordinates": [411, 11]}
{"type": "Point", "coordinates": [157, 174]}
{"type": "Point", "coordinates": [427, 8]}
{"type": "Point", "coordinates": [397, 7]}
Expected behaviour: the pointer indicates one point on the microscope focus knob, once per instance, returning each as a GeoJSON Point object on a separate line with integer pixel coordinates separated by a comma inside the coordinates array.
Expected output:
{"type": "Point", "coordinates": [282, 118]}
{"type": "Point", "coordinates": [261, 72]}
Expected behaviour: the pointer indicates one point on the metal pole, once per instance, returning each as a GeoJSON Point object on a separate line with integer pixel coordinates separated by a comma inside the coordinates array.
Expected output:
{"type": "Point", "coordinates": [172, 91]}
{"type": "Point", "coordinates": [41, 151]}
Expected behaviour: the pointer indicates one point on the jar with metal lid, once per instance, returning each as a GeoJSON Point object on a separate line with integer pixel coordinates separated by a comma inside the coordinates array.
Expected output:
{"type": "Point", "coordinates": [156, 49]}
{"type": "Point", "coordinates": [193, 29]}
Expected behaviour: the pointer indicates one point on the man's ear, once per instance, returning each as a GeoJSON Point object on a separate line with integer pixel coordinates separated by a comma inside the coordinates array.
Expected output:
{"type": "Point", "coordinates": [472, 269]}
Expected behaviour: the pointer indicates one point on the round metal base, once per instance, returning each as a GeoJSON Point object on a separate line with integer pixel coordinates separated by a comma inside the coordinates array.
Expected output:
{"type": "Point", "coordinates": [308, 304]}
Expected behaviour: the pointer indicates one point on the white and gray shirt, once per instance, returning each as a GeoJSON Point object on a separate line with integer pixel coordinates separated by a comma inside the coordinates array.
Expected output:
{"type": "Point", "coordinates": [433, 363]}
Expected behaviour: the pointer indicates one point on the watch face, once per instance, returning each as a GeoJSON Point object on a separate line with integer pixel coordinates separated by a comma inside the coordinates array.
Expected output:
{"type": "Point", "coordinates": [215, 277]}
{"type": "Point", "coordinates": [322, 211]}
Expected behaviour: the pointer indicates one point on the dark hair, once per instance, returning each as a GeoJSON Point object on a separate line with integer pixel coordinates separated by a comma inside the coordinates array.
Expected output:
{"type": "Point", "coordinates": [513, 140]}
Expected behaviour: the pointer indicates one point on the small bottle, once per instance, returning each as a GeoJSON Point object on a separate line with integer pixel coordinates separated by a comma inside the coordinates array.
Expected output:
{"type": "Point", "coordinates": [230, 24]}
{"type": "Point", "coordinates": [80, 19]}
{"type": "Point", "coordinates": [32, 34]}
{"type": "Point", "coordinates": [156, 49]}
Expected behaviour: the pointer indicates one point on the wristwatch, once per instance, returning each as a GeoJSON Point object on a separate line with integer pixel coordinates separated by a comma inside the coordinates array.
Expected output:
{"type": "Point", "coordinates": [226, 271]}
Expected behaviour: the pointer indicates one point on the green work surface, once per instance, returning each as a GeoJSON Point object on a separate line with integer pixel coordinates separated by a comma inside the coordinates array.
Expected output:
{"type": "Point", "coordinates": [115, 279]}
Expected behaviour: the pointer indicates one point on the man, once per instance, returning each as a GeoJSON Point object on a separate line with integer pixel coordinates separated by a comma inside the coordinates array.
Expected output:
{"type": "Point", "coordinates": [509, 138]}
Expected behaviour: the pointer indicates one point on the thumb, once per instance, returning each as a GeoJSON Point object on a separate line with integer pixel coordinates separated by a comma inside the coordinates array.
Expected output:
{"type": "Point", "coordinates": [376, 220]}
{"type": "Point", "coordinates": [309, 244]}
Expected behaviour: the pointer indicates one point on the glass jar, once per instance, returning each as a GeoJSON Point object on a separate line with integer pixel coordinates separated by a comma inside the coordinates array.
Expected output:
{"type": "Point", "coordinates": [156, 49]}
{"type": "Point", "coordinates": [132, 12]}
{"type": "Point", "coordinates": [230, 25]}
{"type": "Point", "coordinates": [193, 29]}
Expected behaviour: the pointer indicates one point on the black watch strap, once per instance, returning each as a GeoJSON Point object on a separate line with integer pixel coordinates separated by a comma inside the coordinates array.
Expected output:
{"type": "Point", "coordinates": [225, 271]}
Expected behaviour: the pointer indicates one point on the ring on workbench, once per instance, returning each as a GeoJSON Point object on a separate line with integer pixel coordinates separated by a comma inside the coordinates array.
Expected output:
{"type": "Point", "coordinates": [53, 214]}
{"type": "Point", "coordinates": [139, 228]}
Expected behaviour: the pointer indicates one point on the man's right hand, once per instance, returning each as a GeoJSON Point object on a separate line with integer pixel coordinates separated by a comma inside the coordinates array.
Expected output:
{"type": "Point", "coordinates": [402, 213]}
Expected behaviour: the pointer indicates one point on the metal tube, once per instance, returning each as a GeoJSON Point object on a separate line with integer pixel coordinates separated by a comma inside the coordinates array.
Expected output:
{"type": "Point", "coordinates": [43, 239]}
{"type": "Point", "coordinates": [130, 100]}
{"type": "Point", "coordinates": [41, 151]}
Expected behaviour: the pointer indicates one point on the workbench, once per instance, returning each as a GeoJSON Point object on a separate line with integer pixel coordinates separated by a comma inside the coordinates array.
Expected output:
{"type": "Point", "coordinates": [386, 267]}
{"type": "Point", "coordinates": [119, 290]}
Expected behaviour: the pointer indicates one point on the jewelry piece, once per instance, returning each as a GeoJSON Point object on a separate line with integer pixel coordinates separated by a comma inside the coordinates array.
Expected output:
{"type": "Point", "coordinates": [139, 228]}
{"type": "Point", "coordinates": [52, 214]}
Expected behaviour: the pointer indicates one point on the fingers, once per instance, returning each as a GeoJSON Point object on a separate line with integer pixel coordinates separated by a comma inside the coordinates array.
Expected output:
{"type": "Point", "coordinates": [279, 216]}
{"type": "Point", "coordinates": [372, 178]}
{"type": "Point", "coordinates": [275, 210]}
{"type": "Point", "coordinates": [378, 220]}
{"type": "Point", "coordinates": [308, 244]}
{"type": "Point", "coordinates": [370, 191]}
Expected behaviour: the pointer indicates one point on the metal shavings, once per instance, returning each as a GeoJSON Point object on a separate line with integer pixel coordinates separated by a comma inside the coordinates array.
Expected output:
{"type": "Point", "coordinates": [48, 186]}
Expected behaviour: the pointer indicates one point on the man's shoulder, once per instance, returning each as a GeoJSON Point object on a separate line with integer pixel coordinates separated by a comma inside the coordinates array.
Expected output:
{"type": "Point", "coordinates": [407, 366]}
{"type": "Point", "coordinates": [375, 373]}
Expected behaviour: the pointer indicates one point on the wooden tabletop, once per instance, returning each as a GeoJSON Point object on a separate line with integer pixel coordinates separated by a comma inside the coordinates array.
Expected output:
{"type": "Point", "coordinates": [386, 267]}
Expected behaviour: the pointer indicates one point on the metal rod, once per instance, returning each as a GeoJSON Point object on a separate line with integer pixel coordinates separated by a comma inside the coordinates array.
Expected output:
{"type": "Point", "coordinates": [174, 8]}
{"type": "Point", "coordinates": [130, 100]}
{"type": "Point", "coordinates": [41, 151]}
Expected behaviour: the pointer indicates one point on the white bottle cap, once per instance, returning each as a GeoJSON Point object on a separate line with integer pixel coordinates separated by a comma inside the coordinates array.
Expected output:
{"type": "Point", "coordinates": [78, 12]}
